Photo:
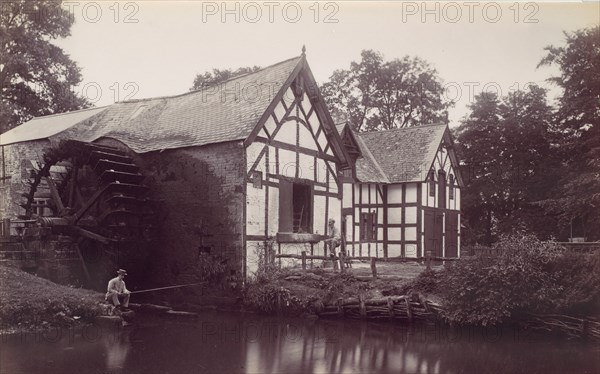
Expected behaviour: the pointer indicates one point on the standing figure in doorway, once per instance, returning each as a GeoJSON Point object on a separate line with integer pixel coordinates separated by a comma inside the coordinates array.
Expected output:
{"type": "Point", "coordinates": [116, 290]}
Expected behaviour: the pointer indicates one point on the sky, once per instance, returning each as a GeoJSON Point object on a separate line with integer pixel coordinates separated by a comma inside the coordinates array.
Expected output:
{"type": "Point", "coordinates": [140, 49]}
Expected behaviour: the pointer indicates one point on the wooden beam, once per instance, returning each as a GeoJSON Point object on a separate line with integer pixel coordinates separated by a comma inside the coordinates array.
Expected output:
{"type": "Point", "coordinates": [55, 195]}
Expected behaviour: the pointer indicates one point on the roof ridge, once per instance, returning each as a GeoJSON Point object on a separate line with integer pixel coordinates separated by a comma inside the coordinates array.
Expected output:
{"type": "Point", "coordinates": [69, 112]}
{"type": "Point", "coordinates": [402, 129]}
{"type": "Point", "coordinates": [204, 88]}
{"type": "Point", "coordinates": [374, 159]}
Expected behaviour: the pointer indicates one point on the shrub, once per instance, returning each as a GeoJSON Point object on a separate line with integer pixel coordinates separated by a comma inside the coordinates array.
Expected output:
{"type": "Point", "coordinates": [578, 277]}
{"type": "Point", "coordinates": [486, 290]}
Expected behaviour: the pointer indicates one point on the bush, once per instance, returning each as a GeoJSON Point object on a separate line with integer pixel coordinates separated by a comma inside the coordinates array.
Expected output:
{"type": "Point", "coordinates": [578, 277]}
{"type": "Point", "coordinates": [486, 290]}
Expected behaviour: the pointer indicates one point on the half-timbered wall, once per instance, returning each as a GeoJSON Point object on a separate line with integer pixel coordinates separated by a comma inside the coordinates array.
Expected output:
{"type": "Point", "coordinates": [364, 219]}
{"type": "Point", "coordinates": [289, 163]}
{"type": "Point", "coordinates": [440, 195]}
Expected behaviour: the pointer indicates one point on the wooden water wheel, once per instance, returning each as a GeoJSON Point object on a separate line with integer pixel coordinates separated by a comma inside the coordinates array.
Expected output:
{"type": "Point", "coordinates": [101, 201]}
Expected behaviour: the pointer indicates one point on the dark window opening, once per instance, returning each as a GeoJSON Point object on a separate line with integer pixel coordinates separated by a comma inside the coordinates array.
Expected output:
{"type": "Point", "coordinates": [302, 205]}
{"type": "Point", "coordinates": [295, 207]}
{"type": "Point", "coordinates": [442, 189]}
{"type": "Point", "coordinates": [451, 187]}
{"type": "Point", "coordinates": [431, 184]}
{"type": "Point", "coordinates": [368, 226]}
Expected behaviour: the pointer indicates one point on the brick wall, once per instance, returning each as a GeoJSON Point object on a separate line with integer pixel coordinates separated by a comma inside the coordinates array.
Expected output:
{"type": "Point", "coordinates": [201, 193]}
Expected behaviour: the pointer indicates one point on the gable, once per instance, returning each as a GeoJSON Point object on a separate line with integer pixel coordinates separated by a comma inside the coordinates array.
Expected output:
{"type": "Point", "coordinates": [299, 109]}
{"type": "Point", "coordinates": [405, 155]}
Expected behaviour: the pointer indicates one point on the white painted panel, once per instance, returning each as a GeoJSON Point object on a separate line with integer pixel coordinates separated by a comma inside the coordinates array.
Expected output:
{"type": "Point", "coordinates": [252, 152]}
{"type": "Point", "coordinates": [307, 166]}
{"type": "Point", "coordinates": [364, 188]}
{"type": "Point", "coordinates": [313, 120]}
{"type": "Point", "coordinates": [373, 194]}
{"type": "Point", "coordinates": [320, 188]}
{"type": "Point", "coordinates": [306, 139]}
{"type": "Point", "coordinates": [394, 250]}
{"type": "Point", "coordinates": [252, 251]}
{"type": "Point", "coordinates": [279, 112]}
{"type": "Point", "coordinates": [410, 250]}
{"type": "Point", "coordinates": [410, 233]}
{"type": "Point", "coordinates": [394, 233]}
{"type": "Point", "coordinates": [272, 166]}
{"type": "Point", "coordinates": [410, 214]}
{"type": "Point", "coordinates": [380, 216]}
{"type": "Point", "coordinates": [457, 198]}
{"type": "Point", "coordinates": [411, 192]}
{"type": "Point", "coordinates": [347, 193]}
{"type": "Point", "coordinates": [255, 210]}
{"type": "Point", "coordinates": [395, 193]}
{"type": "Point", "coordinates": [322, 140]}
{"type": "Point", "coordinates": [288, 97]}
{"type": "Point", "coordinates": [394, 215]}
{"type": "Point", "coordinates": [270, 125]}
{"type": "Point", "coordinates": [287, 133]}
{"type": "Point", "coordinates": [319, 215]}
{"type": "Point", "coordinates": [273, 210]}
{"type": "Point", "coordinates": [348, 222]}
{"type": "Point", "coordinates": [321, 171]}
{"type": "Point", "coordinates": [287, 163]}
{"type": "Point", "coordinates": [380, 231]}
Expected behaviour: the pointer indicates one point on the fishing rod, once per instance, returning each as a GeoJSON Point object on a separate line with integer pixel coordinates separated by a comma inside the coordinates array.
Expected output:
{"type": "Point", "coordinates": [168, 287]}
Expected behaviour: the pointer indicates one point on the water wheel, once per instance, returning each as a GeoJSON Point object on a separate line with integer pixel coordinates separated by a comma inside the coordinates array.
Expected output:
{"type": "Point", "coordinates": [101, 201]}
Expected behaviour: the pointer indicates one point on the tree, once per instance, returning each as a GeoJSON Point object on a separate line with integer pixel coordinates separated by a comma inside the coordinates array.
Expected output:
{"type": "Point", "coordinates": [577, 197]}
{"type": "Point", "coordinates": [217, 76]}
{"type": "Point", "coordinates": [36, 77]}
{"type": "Point", "coordinates": [377, 95]}
{"type": "Point", "coordinates": [506, 147]}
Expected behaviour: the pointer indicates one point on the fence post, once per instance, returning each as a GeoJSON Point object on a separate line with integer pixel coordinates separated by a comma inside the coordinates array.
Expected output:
{"type": "Point", "coordinates": [6, 228]}
{"type": "Point", "coordinates": [374, 267]}
{"type": "Point", "coordinates": [428, 259]}
{"type": "Point", "coordinates": [303, 260]}
{"type": "Point", "coordinates": [342, 262]}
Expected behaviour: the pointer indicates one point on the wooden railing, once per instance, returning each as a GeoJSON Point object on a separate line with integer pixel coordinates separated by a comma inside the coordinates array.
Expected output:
{"type": "Point", "coordinates": [373, 260]}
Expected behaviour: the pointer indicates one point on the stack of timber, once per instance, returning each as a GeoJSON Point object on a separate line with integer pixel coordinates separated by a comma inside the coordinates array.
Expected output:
{"type": "Point", "coordinates": [397, 308]}
{"type": "Point", "coordinates": [573, 327]}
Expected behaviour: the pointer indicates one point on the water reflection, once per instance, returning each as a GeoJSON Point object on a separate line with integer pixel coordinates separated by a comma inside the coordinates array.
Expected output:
{"type": "Point", "coordinates": [245, 343]}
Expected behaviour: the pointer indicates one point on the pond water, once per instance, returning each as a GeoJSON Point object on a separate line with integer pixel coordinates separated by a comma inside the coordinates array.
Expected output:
{"type": "Point", "coordinates": [246, 343]}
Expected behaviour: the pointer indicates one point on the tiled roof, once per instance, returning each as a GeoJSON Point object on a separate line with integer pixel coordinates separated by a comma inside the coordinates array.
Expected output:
{"type": "Point", "coordinates": [367, 169]}
{"type": "Point", "coordinates": [405, 155]}
{"type": "Point", "coordinates": [225, 112]}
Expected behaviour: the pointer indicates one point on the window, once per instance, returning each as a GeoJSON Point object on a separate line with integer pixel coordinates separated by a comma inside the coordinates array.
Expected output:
{"type": "Point", "coordinates": [368, 226]}
{"type": "Point", "coordinates": [451, 187]}
{"type": "Point", "coordinates": [431, 184]}
{"type": "Point", "coordinates": [441, 189]}
{"type": "Point", "coordinates": [295, 207]}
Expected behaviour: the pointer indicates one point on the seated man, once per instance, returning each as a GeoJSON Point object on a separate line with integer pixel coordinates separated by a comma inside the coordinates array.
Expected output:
{"type": "Point", "coordinates": [116, 290]}
{"type": "Point", "coordinates": [333, 234]}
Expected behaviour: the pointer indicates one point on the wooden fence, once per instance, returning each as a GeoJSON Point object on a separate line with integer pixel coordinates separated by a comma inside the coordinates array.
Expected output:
{"type": "Point", "coordinates": [373, 260]}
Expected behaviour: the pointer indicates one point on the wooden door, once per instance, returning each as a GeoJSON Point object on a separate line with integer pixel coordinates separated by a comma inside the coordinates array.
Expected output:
{"type": "Point", "coordinates": [433, 232]}
{"type": "Point", "coordinates": [451, 234]}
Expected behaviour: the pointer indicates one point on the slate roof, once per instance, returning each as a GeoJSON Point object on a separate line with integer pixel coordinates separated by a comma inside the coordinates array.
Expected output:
{"type": "Point", "coordinates": [367, 168]}
{"type": "Point", "coordinates": [405, 155]}
{"type": "Point", "coordinates": [225, 112]}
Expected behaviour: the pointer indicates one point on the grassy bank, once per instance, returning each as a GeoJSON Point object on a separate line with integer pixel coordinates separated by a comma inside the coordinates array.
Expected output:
{"type": "Point", "coordinates": [30, 302]}
{"type": "Point", "coordinates": [295, 291]}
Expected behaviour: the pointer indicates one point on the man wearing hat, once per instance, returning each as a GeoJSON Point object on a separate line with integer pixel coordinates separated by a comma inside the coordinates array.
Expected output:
{"type": "Point", "coordinates": [116, 289]}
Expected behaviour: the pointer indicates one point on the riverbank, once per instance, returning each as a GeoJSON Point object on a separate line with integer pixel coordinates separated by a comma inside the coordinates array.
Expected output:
{"type": "Point", "coordinates": [32, 303]}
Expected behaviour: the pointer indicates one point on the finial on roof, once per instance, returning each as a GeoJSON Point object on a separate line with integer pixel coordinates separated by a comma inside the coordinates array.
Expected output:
{"type": "Point", "coordinates": [303, 50]}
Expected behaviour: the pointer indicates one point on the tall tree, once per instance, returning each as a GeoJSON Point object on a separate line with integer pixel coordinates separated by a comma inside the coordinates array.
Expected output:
{"type": "Point", "coordinates": [220, 75]}
{"type": "Point", "coordinates": [36, 76]}
{"type": "Point", "coordinates": [377, 95]}
{"type": "Point", "coordinates": [577, 199]}
{"type": "Point", "coordinates": [506, 146]}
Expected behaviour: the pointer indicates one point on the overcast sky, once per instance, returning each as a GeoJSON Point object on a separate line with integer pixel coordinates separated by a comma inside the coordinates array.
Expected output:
{"type": "Point", "coordinates": [134, 50]}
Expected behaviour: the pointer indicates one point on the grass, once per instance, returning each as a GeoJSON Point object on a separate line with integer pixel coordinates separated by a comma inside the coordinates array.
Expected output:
{"type": "Point", "coordinates": [297, 291]}
{"type": "Point", "coordinates": [30, 302]}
